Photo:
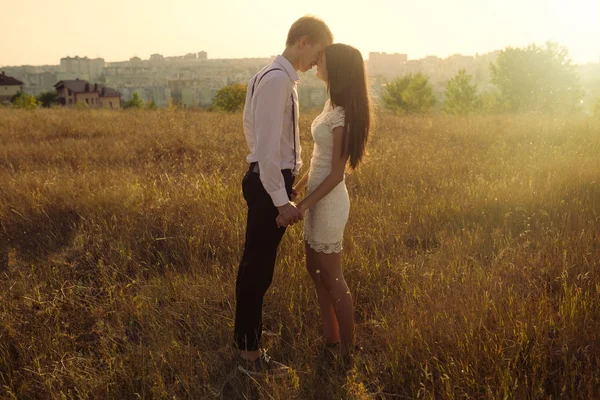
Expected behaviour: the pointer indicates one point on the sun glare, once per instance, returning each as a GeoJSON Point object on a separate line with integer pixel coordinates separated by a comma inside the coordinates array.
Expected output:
{"type": "Point", "coordinates": [579, 19]}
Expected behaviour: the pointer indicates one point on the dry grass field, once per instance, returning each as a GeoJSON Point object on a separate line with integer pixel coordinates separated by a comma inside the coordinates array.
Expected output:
{"type": "Point", "coordinates": [472, 252]}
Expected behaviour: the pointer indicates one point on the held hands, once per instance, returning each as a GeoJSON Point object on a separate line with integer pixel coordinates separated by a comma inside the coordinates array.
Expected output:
{"type": "Point", "coordinates": [289, 214]}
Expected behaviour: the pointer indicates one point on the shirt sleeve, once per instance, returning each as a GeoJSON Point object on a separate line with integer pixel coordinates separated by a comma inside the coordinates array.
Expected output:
{"type": "Point", "coordinates": [247, 114]}
{"type": "Point", "coordinates": [272, 95]}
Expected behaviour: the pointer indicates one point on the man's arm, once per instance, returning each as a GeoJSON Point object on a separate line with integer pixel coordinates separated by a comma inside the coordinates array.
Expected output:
{"type": "Point", "coordinates": [271, 99]}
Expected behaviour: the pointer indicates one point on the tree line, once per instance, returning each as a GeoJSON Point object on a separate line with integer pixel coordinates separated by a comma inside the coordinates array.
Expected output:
{"type": "Point", "coordinates": [529, 79]}
{"type": "Point", "coordinates": [539, 79]}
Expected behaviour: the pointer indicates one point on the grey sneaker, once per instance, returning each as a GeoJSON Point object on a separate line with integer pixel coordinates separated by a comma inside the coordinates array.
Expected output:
{"type": "Point", "coordinates": [263, 365]}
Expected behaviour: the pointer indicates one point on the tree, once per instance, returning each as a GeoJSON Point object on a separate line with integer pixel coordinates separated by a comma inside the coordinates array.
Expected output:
{"type": "Point", "coordinates": [25, 101]}
{"type": "Point", "coordinates": [539, 79]}
{"type": "Point", "coordinates": [47, 99]}
{"type": "Point", "coordinates": [410, 93]}
{"type": "Point", "coordinates": [135, 102]}
{"type": "Point", "coordinates": [491, 102]}
{"type": "Point", "coordinates": [151, 105]}
{"type": "Point", "coordinates": [230, 98]}
{"type": "Point", "coordinates": [461, 96]}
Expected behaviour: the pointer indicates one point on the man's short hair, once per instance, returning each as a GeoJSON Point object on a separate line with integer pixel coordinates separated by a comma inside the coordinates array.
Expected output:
{"type": "Point", "coordinates": [314, 28]}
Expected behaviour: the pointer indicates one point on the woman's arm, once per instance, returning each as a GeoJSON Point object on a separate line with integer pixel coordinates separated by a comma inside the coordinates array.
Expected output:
{"type": "Point", "coordinates": [300, 185]}
{"type": "Point", "coordinates": [338, 167]}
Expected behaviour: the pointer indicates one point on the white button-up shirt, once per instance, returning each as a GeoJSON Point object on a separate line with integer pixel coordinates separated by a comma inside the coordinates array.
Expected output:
{"type": "Point", "coordinates": [269, 128]}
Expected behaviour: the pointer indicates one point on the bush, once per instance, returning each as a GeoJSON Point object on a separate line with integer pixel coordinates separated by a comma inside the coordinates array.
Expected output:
{"type": "Point", "coordinates": [461, 96]}
{"type": "Point", "coordinates": [135, 102]}
{"type": "Point", "coordinates": [230, 98]}
{"type": "Point", "coordinates": [47, 99]}
{"type": "Point", "coordinates": [410, 93]}
{"type": "Point", "coordinates": [25, 101]}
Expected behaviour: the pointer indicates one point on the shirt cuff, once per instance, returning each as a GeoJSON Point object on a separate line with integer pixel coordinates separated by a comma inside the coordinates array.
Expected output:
{"type": "Point", "coordinates": [279, 197]}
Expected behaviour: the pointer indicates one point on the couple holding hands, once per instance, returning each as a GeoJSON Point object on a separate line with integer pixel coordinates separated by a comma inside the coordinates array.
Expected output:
{"type": "Point", "coordinates": [340, 135]}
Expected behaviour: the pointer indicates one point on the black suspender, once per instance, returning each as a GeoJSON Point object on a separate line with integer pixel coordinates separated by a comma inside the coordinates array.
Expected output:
{"type": "Point", "coordinates": [263, 75]}
{"type": "Point", "coordinates": [254, 84]}
{"type": "Point", "coordinates": [294, 128]}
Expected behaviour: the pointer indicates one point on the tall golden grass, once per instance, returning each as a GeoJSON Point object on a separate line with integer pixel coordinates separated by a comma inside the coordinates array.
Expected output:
{"type": "Point", "coordinates": [472, 252]}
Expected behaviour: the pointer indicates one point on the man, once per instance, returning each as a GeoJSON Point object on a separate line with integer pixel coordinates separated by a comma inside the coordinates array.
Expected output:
{"type": "Point", "coordinates": [271, 130]}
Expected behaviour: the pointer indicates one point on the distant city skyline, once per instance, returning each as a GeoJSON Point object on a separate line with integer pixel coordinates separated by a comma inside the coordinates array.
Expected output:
{"type": "Point", "coordinates": [116, 30]}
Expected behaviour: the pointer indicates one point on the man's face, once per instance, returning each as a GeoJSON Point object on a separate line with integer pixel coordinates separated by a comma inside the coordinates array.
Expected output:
{"type": "Point", "coordinates": [311, 53]}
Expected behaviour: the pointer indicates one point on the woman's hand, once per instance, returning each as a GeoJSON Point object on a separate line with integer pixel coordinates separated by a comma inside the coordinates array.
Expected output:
{"type": "Point", "coordinates": [295, 194]}
{"type": "Point", "coordinates": [302, 208]}
{"type": "Point", "coordinates": [299, 186]}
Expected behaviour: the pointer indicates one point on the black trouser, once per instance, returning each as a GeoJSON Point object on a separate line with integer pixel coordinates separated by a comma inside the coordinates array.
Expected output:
{"type": "Point", "coordinates": [255, 271]}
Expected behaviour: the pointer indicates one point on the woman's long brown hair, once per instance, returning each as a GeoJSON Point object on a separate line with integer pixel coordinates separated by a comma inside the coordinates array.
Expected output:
{"type": "Point", "coordinates": [347, 82]}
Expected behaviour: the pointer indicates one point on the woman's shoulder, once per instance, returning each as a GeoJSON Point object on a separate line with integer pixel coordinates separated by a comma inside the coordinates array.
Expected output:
{"type": "Point", "coordinates": [338, 111]}
{"type": "Point", "coordinates": [331, 108]}
{"type": "Point", "coordinates": [336, 117]}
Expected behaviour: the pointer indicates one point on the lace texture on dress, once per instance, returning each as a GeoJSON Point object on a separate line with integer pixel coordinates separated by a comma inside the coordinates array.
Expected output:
{"type": "Point", "coordinates": [336, 118]}
{"type": "Point", "coordinates": [324, 247]}
{"type": "Point", "coordinates": [325, 222]}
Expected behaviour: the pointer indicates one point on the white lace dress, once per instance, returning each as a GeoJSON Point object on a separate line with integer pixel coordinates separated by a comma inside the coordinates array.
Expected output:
{"type": "Point", "coordinates": [325, 222]}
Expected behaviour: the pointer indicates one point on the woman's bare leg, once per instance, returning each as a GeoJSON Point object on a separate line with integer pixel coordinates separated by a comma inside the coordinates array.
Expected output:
{"type": "Point", "coordinates": [332, 278]}
{"type": "Point", "coordinates": [331, 332]}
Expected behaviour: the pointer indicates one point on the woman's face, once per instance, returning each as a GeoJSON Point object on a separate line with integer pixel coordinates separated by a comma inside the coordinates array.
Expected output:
{"type": "Point", "coordinates": [322, 68]}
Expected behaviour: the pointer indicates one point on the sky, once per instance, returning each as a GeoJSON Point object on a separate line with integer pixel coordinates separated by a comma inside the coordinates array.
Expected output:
{"type": "Point", "coordinates": [42, 32]}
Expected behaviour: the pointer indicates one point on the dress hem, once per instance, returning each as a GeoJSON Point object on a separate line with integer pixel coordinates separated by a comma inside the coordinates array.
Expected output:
{"type": "Point", "coordinates": [327, 248]}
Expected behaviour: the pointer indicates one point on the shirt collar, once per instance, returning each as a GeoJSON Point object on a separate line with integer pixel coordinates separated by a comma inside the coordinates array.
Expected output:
{"type": "Point", "coordinates": [288, 67]}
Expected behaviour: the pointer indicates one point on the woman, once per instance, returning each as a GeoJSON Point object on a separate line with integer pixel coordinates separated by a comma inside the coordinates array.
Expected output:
{"type": "Point", "coordinates": [340, 134]}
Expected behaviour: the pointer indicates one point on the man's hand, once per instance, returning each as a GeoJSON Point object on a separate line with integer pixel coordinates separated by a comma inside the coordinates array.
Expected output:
{"type": "Point", "coordinates": [289, 214]}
